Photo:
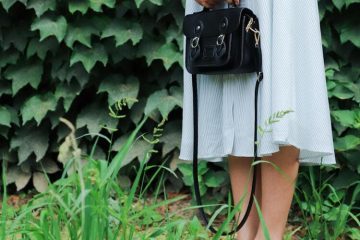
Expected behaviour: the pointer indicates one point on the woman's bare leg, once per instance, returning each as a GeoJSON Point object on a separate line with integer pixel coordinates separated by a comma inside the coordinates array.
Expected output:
{"type": "Point", "coordinates": [239, 168]}
{"type": "Point", "coordinates": [277, 190]}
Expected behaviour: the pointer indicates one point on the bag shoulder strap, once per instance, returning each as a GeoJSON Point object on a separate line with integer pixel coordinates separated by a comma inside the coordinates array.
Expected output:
{"type": "Point", "coordinates": [195, 161]}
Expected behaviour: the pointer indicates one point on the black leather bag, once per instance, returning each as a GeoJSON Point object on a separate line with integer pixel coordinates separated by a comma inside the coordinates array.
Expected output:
{"type": "Point", "coordinates": [222, 41]}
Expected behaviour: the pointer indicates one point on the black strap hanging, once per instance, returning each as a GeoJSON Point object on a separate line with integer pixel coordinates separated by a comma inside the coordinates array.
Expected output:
{"type": "Point", "coordinates": [195, 152]}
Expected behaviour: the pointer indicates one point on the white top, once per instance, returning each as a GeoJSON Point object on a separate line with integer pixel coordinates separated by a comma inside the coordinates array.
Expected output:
{"type": "Point", "coordinates": [294, 79]}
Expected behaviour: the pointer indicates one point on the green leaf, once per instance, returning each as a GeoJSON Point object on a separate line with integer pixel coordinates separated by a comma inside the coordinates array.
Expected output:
{"type": "Point", "coordinates": [96, 4]}
{"type": "Point", "coordinates": [345, 178]}
{"type": "Point", "coordinates": [162, 101]}
{"type": "Point", "coordinates": [5, 88]}
{"type": "Point", "coordinates": [78, 73]}
{"type": "Point", "coordinates": [215, 179]}
{"type": "Point", "coordinates": [166, 52]}
{"type": "Point", "coordinates": [338, 3]}
{"type": "Point", "coordinates": [347, 118]}
{"type": "Point", "coordinates": [342, 92]}
{"type": "Point", "coordinates": [41, 48]}
{"type": "Point", "coordinates": [8, 57]}
{"type": "Point", "coordinates": [349, 2]}
{"type": "Point", "coordinates": [47, 165]}
{"type": "Point", "coordinates": [78, 5]}
{"type": "Point", "coordinates": [94, 116]}
{"type": "Point", "coordinates": [38, 106]}
{"type": "Point", "coordinates": [117, 87]}
{"type": "Point", "coordinates": [138, 3]}
{"type": "Point", "coordinates": [68, 93]}
{"type": "Point", "coordinates": [123, 31]}
{"type": "Point", "coordinates": [30, 139]}
{"type": "Point", "coordinates": [346, 27]}
{"type": "Point", "coordinates": [50, 26]}
{"type": "Point", "coordinates": [138, 149]}
{"type": "Point", "coordinates": [88, 57]}
{"type": "Point", "coordinates": [41, 6]}
{"type": "Point", "coordinates": [24, 73]}
{"type": "Point", "coordinates": [157, 2]}
{"type": "Point", "coordinates": [5, 116]}
{"type": "Point", "coordinates": [16, 35]}
{"type": "Point", "coordinates": [80, 32]}
{"type": "Point", "coordinates": [346, 143]}
{"type": "Point", "coordinates": [171, 136]}
{"type": "Point", "coordinates": [40, 182]}
{"type": "Point", "coordinates": [8, 3]}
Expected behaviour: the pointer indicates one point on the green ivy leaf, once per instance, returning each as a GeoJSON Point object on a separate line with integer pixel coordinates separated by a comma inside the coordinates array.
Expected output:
{"type": "Point", "coordinates": [38, 106]}
{"type": "Point", "coordinates": [30, 139]}
{"type": "Point", "coordinates": [5, 88]}
{"type": "Point", "coordinates": [94, 116]}
{"type": "Point", "coordinates": [78, 73]}
{"type": "Point", "coordinates": [80, 32]}
{"type": "Point", "coordinates": [47, 165]}
{"type": "Point", "coordinates": [19, 177]}
{"type": "Point", "coordinates": [156, 50]}
{"type": "Point", "coordinates": [50, 26]}
{"type": "Point", "coordinates": [117, 87]}
{"type": "Point", "coordinates": [342, 92]}
{"type": "Point", "coordinates": [5, 116]}
{"type": "Point", "coordinates": [8, 57]}
{"type": "Point", "coordinates": [171, 136]}
{"type": "Point", "coordinates": [347, 118]}
{"type": "Point", "coordinates": [41, 6]}
{"type": "Point", "coordinates": [346, 143]}
{"type": "Point", "coordinates": [8, 3]}
{"type": "Point", "coordinates": [138, 3]}
{"type": "Point", "coordinates": [215, 179]}
{"type": "Point", "coordinates": [138, 149]}
{"type": "Point", "coordinates": [123, 31]}
{"type": "Point", "coordinates": [39, 181]}
{"type": "Point", "coordinates": [163, 101]}
{"type": "Point", "coordinates": [67, 92]}
{"type": "Point", "coordinates": [24, 73]}
{"type": "Point", "coordinates": [16, 35]}
{"type": "Point", "coordinates": [349, 2]}
{"type": "Point", "coordinates": [338, 3]}
{"type": "Point", "coordinates": [96, 4]}
{"type": "Point", "coordinates": [78, 5]}
{"type": "Point", "coordinates": [157, 2]}
{"type": "Point", "coordinates": [88, 57]}
{"type": "Point", "coordinates": [347, 30]}
{"type": "Point", "coordinates": [41, 48]}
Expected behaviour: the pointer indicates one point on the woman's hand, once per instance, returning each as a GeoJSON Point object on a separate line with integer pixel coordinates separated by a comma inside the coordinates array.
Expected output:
{"type": "Point", "coordinates": [236, 2]}
{"type": "Point", "coordinates": [212, 3]}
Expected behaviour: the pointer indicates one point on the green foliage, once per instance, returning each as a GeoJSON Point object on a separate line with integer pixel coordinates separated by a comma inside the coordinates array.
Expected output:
{"type": "Point", "coordinates": [339, 24]}
{"type": "Point", "coordinates": [75, 59]}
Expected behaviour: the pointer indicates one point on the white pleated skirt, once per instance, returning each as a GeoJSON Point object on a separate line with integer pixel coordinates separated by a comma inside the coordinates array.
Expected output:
{"type": "Point", "coordinates": [293, 107]}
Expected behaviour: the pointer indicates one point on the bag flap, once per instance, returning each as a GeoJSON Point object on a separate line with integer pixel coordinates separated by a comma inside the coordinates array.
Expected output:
{"type": "Point", "coordinates": [214, 22]}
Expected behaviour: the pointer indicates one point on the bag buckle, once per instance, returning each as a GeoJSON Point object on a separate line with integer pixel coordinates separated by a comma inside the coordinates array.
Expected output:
{"type": "Point", "coordinates": [220, 39]}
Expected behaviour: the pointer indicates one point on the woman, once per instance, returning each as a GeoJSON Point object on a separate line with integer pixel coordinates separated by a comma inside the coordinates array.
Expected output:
{"type": "Point", "coordinates": [294, 80]}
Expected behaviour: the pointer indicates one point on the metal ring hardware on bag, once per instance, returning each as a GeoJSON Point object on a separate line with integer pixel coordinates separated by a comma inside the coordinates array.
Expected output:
{"type": "Point", "coordinates": [195, 150]}
{"type": "Point", "coordinates": [196, 40]}
{"type": "Point", "coordinates": [220, 39]}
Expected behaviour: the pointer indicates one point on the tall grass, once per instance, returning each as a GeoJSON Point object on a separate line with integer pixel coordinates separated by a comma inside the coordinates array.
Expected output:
{"type": "Point", "coordinates": [90, 204]}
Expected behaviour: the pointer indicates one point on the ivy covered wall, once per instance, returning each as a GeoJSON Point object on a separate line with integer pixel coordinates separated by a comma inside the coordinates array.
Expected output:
{"type": "Point", "coordinates": [75, 58]}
